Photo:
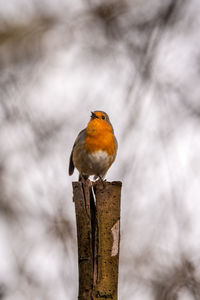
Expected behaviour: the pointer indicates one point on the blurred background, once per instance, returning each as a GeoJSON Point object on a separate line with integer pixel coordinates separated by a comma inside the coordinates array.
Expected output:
{"type": "Point", "coordinates": [140, 62]}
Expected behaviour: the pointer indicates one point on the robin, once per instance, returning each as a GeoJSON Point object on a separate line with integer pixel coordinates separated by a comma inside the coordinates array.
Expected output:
{"type": "Point", "coordinates": [95, 148]}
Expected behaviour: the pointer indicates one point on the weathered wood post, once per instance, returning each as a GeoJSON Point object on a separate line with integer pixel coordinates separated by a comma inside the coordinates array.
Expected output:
{"type": "Point", "coordinates": [98, 234]}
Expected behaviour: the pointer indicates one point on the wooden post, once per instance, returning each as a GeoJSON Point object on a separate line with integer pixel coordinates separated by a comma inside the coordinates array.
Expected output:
{"type": "Point", "coordinates": [98, 234]}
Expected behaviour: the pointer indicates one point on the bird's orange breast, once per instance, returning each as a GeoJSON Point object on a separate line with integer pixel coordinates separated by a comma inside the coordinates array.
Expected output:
{"type": "Point", "coordinates": [99, 136]}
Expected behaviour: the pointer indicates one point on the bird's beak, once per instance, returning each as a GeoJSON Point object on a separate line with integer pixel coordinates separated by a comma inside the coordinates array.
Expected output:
{"type": "Point", "coordinates": [93, 115]}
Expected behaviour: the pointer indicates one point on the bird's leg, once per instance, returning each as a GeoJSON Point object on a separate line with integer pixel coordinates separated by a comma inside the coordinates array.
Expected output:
{"type": "Point", "coordinates": [102, 181]}
{"type": "Point", "coordinates": [82, 178]}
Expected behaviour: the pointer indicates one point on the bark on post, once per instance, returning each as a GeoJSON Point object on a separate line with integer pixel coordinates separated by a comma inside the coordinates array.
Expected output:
{"type": "Point", "coordinates": [108, 230]}
{"type": "Point", "coordinates": [84, 236]}
{"type": "Point", "coordinates": [98, 233]}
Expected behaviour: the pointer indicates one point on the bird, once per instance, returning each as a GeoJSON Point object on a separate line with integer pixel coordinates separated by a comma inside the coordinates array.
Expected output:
{"type": "Point", "coordinates": [95, 148]}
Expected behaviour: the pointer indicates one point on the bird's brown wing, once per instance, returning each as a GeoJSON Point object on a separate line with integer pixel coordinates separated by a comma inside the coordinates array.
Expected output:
{"type": "Point", "coordinates": [116, 143]}
{"type": "Point", "coordinates": [79, 138]}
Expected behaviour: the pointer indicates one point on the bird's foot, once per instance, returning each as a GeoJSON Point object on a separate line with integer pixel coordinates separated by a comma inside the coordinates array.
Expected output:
{"type": "Point", "coordinates": [103, 181]}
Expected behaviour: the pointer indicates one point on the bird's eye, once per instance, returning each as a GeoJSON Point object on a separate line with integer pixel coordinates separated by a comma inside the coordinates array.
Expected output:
{"type": "Point", "coordinates": [103, 117]}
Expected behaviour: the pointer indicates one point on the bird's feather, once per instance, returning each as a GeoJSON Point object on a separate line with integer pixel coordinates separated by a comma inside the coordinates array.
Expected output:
{"type": "Point", "coordinates": [79, 138]}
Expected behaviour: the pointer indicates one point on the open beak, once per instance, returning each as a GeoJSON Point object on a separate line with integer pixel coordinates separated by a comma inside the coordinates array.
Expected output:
{"type": "Point", "coordinates": [93, 116]}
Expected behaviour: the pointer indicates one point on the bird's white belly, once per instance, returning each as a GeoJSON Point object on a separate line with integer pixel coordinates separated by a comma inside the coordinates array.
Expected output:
{"type": "Point", "coordinates": [99, 162]}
